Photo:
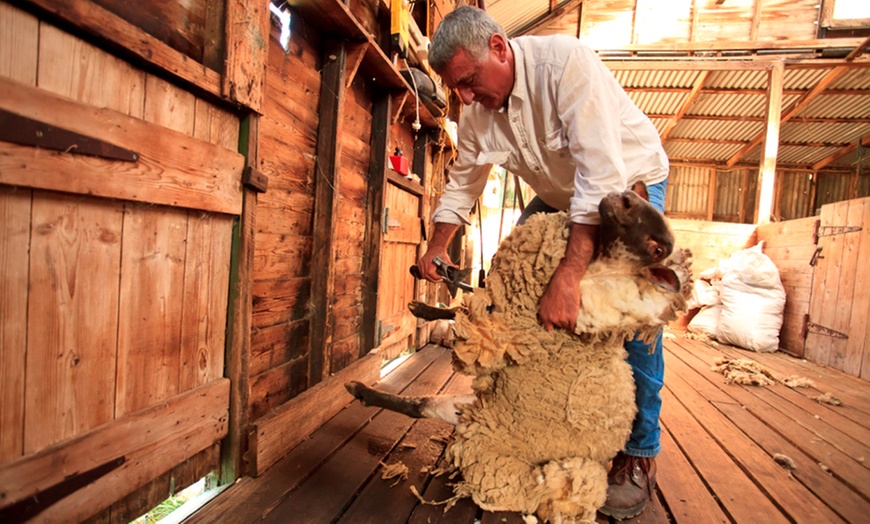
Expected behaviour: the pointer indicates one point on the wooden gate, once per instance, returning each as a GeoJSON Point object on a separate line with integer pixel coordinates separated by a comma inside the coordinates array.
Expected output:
{"type": "Point", "coordinates": [840, 300]}
{"type": "Point", "coordinates": [114, 276]}
{"type": "Point", "coordinates": [401, 227]}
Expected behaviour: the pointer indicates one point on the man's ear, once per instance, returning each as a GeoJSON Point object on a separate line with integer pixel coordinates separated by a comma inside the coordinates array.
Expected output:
{"type": "Point", "coordinates": [499, 45]}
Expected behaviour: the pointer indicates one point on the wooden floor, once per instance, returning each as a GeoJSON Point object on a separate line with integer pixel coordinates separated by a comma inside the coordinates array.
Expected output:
{"type": "Point", "coordinates": [717, 462]}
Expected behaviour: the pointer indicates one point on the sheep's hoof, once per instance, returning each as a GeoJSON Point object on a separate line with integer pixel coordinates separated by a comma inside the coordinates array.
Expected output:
{"type": "Point", "coordinates": [427, 312]}
{"type": "Point", "coordinates": [357, 389]}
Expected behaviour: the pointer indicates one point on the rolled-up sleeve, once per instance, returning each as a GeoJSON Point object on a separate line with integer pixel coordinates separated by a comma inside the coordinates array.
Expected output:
{"type": "Point", "coordinates": [589, 109]}
{"type": "Point", "coordinates": [466, 180]}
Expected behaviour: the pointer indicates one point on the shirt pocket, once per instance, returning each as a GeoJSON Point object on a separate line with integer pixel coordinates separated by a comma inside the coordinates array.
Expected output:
{"type": "Point", "coordinates": [554, 139]}
{"type": "Point", "coordinates": [496, 158]}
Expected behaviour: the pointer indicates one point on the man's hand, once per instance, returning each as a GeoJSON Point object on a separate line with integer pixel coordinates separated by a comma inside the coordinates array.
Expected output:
{"type": "Point", "coordinates": [561, 301]}
{"type": "Point", "coordinates": [437, 248]}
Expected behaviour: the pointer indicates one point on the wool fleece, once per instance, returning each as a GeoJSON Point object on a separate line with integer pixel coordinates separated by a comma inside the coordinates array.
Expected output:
{"type": "Point", "coordinates": [553, 407]}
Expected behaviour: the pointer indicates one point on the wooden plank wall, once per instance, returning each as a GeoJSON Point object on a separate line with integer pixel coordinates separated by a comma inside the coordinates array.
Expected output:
{"type": "Point", "coordinates": [350, 235]}
{"type": "Point", "coordinates": [790, 245]}
{"type": "Point", "coordinates": [115, 306]}
{"type": "Point", "coordinates": [284, 216]}
{"type": "Point", "coordinates": [181, 25]}
{"type": "Point", "coordinates": [729, 195]}
{"type": "Point", "coordinates": [795, 193]}
{"type": "Point", "coordinates": [711, 242]}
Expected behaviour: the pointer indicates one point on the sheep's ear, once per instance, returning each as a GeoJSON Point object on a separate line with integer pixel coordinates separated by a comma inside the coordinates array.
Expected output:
{"type": "Point", "coordinates": [663, 277]}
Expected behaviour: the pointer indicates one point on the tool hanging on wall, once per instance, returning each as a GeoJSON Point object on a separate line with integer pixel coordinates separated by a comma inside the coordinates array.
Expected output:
{"type": "Point", "coordinates": [399, 26]}
{"type": "Point", "coordinates": [481, 275]}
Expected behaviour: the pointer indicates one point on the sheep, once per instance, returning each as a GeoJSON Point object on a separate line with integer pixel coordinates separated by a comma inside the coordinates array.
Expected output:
{"type": "Point", "coordinates": [551, 408]}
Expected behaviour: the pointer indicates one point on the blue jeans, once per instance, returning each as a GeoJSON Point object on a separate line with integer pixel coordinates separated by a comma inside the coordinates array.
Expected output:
{"type": "Point", "coordinates": [648, 368]}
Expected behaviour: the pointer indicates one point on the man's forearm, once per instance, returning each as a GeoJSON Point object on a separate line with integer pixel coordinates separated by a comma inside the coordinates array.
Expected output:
{"type": "Point", "coordinates": [561, 300]}
{"type": "Point", "coordinates": [441, 236]}
{"type": "Point", "coordinates": [581, 248]}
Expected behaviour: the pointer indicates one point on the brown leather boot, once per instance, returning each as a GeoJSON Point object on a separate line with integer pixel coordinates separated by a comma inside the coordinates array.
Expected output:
{"type": "Point", "coordinates": [629, 486]}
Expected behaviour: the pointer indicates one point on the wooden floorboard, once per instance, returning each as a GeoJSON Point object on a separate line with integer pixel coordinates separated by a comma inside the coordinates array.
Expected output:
{"type": "Point", "coordinates": [717, 462]}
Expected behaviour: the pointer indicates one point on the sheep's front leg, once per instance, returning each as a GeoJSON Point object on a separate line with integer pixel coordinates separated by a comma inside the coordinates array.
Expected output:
{"type": "Point", "coordinates": [442, 407]}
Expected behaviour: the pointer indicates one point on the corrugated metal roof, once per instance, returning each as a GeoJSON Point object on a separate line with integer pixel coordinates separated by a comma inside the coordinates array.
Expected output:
{"type": "Point", "coordinates": [729, 110]}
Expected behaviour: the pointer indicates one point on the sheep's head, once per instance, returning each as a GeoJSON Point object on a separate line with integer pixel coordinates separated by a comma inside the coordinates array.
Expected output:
{"type": "Point", "coordinates": [630, 221]}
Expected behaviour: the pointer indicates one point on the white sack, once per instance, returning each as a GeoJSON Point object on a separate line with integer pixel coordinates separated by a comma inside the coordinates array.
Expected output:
{"type": "Point", "coordinates": [753, 300]}
{"type": "Point", "coordinates": [706, 322]}
{"type": "Point", "coordinates": [703, 294]}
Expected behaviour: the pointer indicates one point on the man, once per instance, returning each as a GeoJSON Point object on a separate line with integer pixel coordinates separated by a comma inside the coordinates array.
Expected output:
{"type": "Point", "coordinates": [548, 109]}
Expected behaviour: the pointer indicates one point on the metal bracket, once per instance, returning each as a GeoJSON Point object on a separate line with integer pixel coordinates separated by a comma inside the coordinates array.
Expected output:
{"type": "Point", "coordinates": [27, 508]}
{"type": "Point", "coordinates": [812, 327]}
{"type": "Point", "coordinates": [827, 231]}
{"type": "Point", "coordinates": [816, 256]}
{"type": "Point", "coordinates": [25, 131]}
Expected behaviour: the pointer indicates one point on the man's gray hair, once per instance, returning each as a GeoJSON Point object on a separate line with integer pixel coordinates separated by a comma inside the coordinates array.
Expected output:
{"type": "Point", "coordinates": [467, 28]}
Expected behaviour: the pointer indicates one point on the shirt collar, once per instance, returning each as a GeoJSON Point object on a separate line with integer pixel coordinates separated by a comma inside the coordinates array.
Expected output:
{"type": "Point", "coordinates": [519, 89]}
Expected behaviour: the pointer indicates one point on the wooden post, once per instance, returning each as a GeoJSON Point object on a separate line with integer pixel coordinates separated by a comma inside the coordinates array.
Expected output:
{"type": "Point", "coordinates": [711, 194]}
{"type": "Point", "coordinates": [247, 26]}
{"type": "Point", "coordinates": [238, 339]}
{"type": "Point", "coordinates": [420, 165]}
{"type": "Point", "coordinates": [326, 178]}
{"type": "Point", "coordinates": [767, 168]}
{"type": "Point", "coordinates": [381, 109]}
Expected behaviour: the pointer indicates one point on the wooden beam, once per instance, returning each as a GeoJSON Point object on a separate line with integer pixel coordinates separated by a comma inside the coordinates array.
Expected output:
{"type": "Point", "coordinates": [375, 194]}
{"type": "Point", "coordinates": [707, 48]}
{"type": "Point", "coordinates": [687, 103]}
{"type": "Point", "coordinates": [767, 167]}
{"type": "Point", "coordinates": [326, 180]}
{"type": "Point", "coordinates": [803, 120]}
{"type": "Point", "coordinates": [273, 435]}
{"type": "Point", "coordinates": [355, 55]}
{"type": "Point", "coordinates": [851, 148]}
{"type": "Point", "coordinates": [247, 37]}
{"type": "Point", "coordinates": [172, 168]}
{"type": "Point", "coordinates": [737, 91]}
{"type": "Point", "coordinates": [621, 64]}
{"type": "Point", "coordinates": [543, 20]}
{"type": "Point", "coordinates": [756, 20]}
{"type": "Point", "coordinates": [800, 104]}
{"type": "Point", "coordinates": [711, 194]}
{"type": "Point", "coordinates": [106, 25]}
{"type": "Point", "coordinates": [239, 317]}
{"type": "Point", "coordinates": [151, 442]}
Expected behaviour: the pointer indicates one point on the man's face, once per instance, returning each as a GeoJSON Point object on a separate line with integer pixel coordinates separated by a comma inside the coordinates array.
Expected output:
{"type": "Point", "coordinates": [488, 82]}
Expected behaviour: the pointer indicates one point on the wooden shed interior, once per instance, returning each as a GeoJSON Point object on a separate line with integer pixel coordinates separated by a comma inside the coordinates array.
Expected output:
{"type": "Point", "coordinates": [206, 231]}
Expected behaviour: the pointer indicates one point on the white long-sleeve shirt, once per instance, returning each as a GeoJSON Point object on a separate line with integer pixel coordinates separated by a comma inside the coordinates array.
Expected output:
{"type": "Point", "coordinates": [569, 130]}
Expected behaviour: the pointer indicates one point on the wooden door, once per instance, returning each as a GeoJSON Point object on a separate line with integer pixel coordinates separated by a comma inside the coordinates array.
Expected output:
{"type": "Point", "coordinates": [401, 227]}
{"type": "Point", "coordinates": [114, 277]}
{"type": "Point", "coordinates": [840, 299]}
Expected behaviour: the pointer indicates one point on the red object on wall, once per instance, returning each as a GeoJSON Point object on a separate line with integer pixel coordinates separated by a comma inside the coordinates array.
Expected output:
{"type": "Point", "coordinates": [399, 163]}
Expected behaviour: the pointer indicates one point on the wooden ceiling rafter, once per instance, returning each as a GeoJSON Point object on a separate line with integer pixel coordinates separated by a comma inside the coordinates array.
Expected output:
{"type": "Point", "coordinates": [802, 120]}
{"type": "Point", "coordinates": [551, 15]}
{"type": "Point", "coordinates": [800, 104]}
{"type": "Point", "coordinates": [738, 91]}
{"type": "Point", "coordinates": [737, 142]}
{"type": "Point", "coordinates": [687, 103]}
{"type": "Point", "coordinates": [846, 150]}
